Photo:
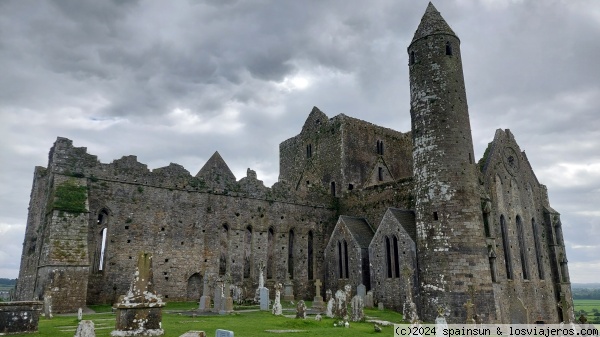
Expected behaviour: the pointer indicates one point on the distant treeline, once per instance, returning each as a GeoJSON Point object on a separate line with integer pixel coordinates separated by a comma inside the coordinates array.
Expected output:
{"type": "Point", "coordinates": [7, 282]}
{"type": "Point", "coordinates": [586, 294]}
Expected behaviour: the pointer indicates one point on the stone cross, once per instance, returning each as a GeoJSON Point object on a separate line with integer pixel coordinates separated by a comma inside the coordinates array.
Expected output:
{"type": "Point", "coordinates": [318, 286]}
{"type": "Point", "coordinates": [469, 306]}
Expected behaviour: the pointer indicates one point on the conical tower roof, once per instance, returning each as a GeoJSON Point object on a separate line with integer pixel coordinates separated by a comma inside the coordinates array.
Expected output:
{"type": "Point", "coordinates": [432, 22]}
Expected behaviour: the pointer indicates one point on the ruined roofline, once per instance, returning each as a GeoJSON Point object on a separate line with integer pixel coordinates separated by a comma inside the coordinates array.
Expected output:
{"type": "Point", "coordinates": [342, 118]}
{"type": "Point", "coordinates": [66, 159]}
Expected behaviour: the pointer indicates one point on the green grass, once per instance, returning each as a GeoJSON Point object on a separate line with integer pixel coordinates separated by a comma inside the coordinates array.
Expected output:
{"type": "Point", "coordinates": [243, 324]}
{"type": "Point", "coordinates": [588, 306]}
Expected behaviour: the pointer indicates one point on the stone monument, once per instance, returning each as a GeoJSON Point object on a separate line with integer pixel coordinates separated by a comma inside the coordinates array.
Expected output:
{"type": "Point", "coordinates": [340, 309]}
{"type": "Point", "coordinates": [361, 291]}
{"type": "Point", "coordinates": [85, 329]}
{"type": "Point", "coordinates": [288, 289]}
{"type": "Point", "coordinates": [217, 293]}
{"type": "Point", "coordinates": [139, 313]}
{"type": "Point", "coordinates": [301, 310]}
{"type": "Point", "coordinates": [358, 313]}
{"type": "Point", "coordinates": [369, 303]}
{"type": "Point", "coordinates": [277, 309]}
{"type": "Point", "coordinates": [318, 304]}
{"type": "Point", "coordinates": [205, 299]}
{"type": "Point", "coordinates": [226, 299]}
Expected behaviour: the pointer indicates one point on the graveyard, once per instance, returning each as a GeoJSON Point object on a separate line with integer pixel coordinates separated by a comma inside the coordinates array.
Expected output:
{"type": "Point", "coordinates": [178, 318]}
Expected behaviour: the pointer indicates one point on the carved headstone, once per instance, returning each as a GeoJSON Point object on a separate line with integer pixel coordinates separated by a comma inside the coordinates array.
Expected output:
{"type": "Point", "coordinates": [277, 309]}
{"type": "Point", "coordinates": [140, 311]}
{"type": "Point", "coordinates": [194, 334]}
{"type": "Point", "coordinates": [224, 333]}
{"type": "Point", "coordinates": [226, 299]}
{"type": "Point", "coordinates": [318, 303]}
{"type": "Point", "coordinates": [340, 309]}
{"type": "Point", "coordinates": [380, 306]}
{"type": "Point", "coordinates": [301, 310]}
{"type": "Point", "coordinates": [205, 299]}
{"type": "Point", "coordinates": [85, 329]}
{"type": "Point", "coordinates": [79, 314]}
{"type": "Point", "coordinates": [329, 310]}
{"type": "Point", "coordinates": [47, 306]}
{"type": "Point", "coordinates": [288, 290]}
{"type": "Point", "coordinates": [440, 323]}
{"type": "Point", "coordinates": [218, 291]}
{"type": "Point", "coordinates": [369, 303]}
{"type": "Point", "coordinates": [264, 298]}
{"type": "Point", "coordinates": [361, 291]}
{"type": "Point", "coordinates": [358, 313]}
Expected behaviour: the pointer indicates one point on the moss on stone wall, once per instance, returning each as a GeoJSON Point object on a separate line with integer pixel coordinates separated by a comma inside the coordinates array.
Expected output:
{"type": "Point", "coordinates": [70, 197]}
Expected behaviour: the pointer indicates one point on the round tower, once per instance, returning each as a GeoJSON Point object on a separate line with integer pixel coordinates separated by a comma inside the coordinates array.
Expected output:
{"type": "Point", "coordinates": [452, 253]}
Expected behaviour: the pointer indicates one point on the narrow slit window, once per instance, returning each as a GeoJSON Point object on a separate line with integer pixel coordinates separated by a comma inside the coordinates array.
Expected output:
{"type": "Point", "coordinates": [380, 174]}
{"type": "Point", "coordinates": [412, 59]}
{"type": "Point", "coordinates": [448, 48]}
{"type": "Point", "coordinates": [435, 216]}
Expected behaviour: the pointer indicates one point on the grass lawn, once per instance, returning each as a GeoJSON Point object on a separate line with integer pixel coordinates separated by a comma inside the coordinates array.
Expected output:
{"type": "Point", "coordinates": [588, 306]}
{"type": "Point", "coordinates": [244, 323]}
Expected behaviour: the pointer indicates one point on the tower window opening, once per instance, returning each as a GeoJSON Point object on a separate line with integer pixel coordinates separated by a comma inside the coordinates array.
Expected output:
{"type": "Point", "coordinates": [412, 58]}
{"type": "Point", "coordinates": [350, 187]}
{"type": "Point", "coordinates": [380, 147]}
{"type": "Point", "coordinates": [380, 174]}
{"type": "Point", "coordinates": [333, 188]}
{"type": "Point", "coordinates": [309, 151]}
{"type": "Point", "coordinates": [435, 216]}
{"type": "Point", "coordinates": [448, 48]}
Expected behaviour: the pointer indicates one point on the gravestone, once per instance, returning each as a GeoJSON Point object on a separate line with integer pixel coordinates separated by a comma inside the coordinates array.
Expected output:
{"type": "Point", "coordinates": [358, 313]}
{"type": "Point", "coordinates": [226, 299]}
{"type": "Point", "coordinates": [369, 303]}
{"type": "Point", "coordinates": [380, 306]}
{"type": "Point", "coordinates": [440, 323]}
{"type": "Point", "coordinates": [264, 298]}
{"type": "Point", "coordinates": [224, 333]}
{"type": "Point", "coordinates": [79, 315]}
{"type": "Point", "coordinates": [47, 306]}
{"type": "Point", "coordinates": [288, 289]}
{"type": "Point", "coordinates": [329, 310]}
{"type": "Point", "coordinates": [328, 295]}
{"type": "Point", "coordinates": [361, 291]}
{"type": "Point", "coordinates": [205, 299]}
{"type": "Point", "coordinates": [348, 291]}
{"type": "Point", "coordinates": [301, 310]}
{"type": "Point", "coordinates": [217, 291]}
{"type": "Point", "coordinates": [318, 318]}
{"type": "Point", "coordinates": [85, 329]}
{"type": "Point", "coordinates": [340, 309]}
{"type": "Point", "coordinates": [318, 303]}
{"type": "Point", "coordinates": [277, 309]}
{"type": "Point", "coordinates": [140, 311]}
{"type": "Point", "coordinates": [194, 334]}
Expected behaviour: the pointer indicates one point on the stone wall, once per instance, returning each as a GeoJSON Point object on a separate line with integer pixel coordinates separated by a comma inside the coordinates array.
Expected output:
{"type": "Point", "coordinates": [393, 254]}
{"type": "Point", "coordinates": [532, 265]}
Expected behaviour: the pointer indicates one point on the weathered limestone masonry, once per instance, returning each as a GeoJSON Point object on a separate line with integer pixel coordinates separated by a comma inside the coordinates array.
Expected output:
{"type": "Point", "coordinates": [409, 215]}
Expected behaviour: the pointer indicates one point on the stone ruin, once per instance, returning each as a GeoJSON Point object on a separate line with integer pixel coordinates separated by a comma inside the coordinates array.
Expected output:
{"type": "Point", "coordinates": [139, 312]}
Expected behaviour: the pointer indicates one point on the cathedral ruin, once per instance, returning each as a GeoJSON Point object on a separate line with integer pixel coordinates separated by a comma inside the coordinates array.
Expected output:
{"type": "Point", "coordinates": [413, 215]}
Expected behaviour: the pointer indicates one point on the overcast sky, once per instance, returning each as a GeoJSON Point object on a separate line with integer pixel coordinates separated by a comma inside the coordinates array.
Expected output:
{"type": "Point", "coordinates": [174, 81]}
